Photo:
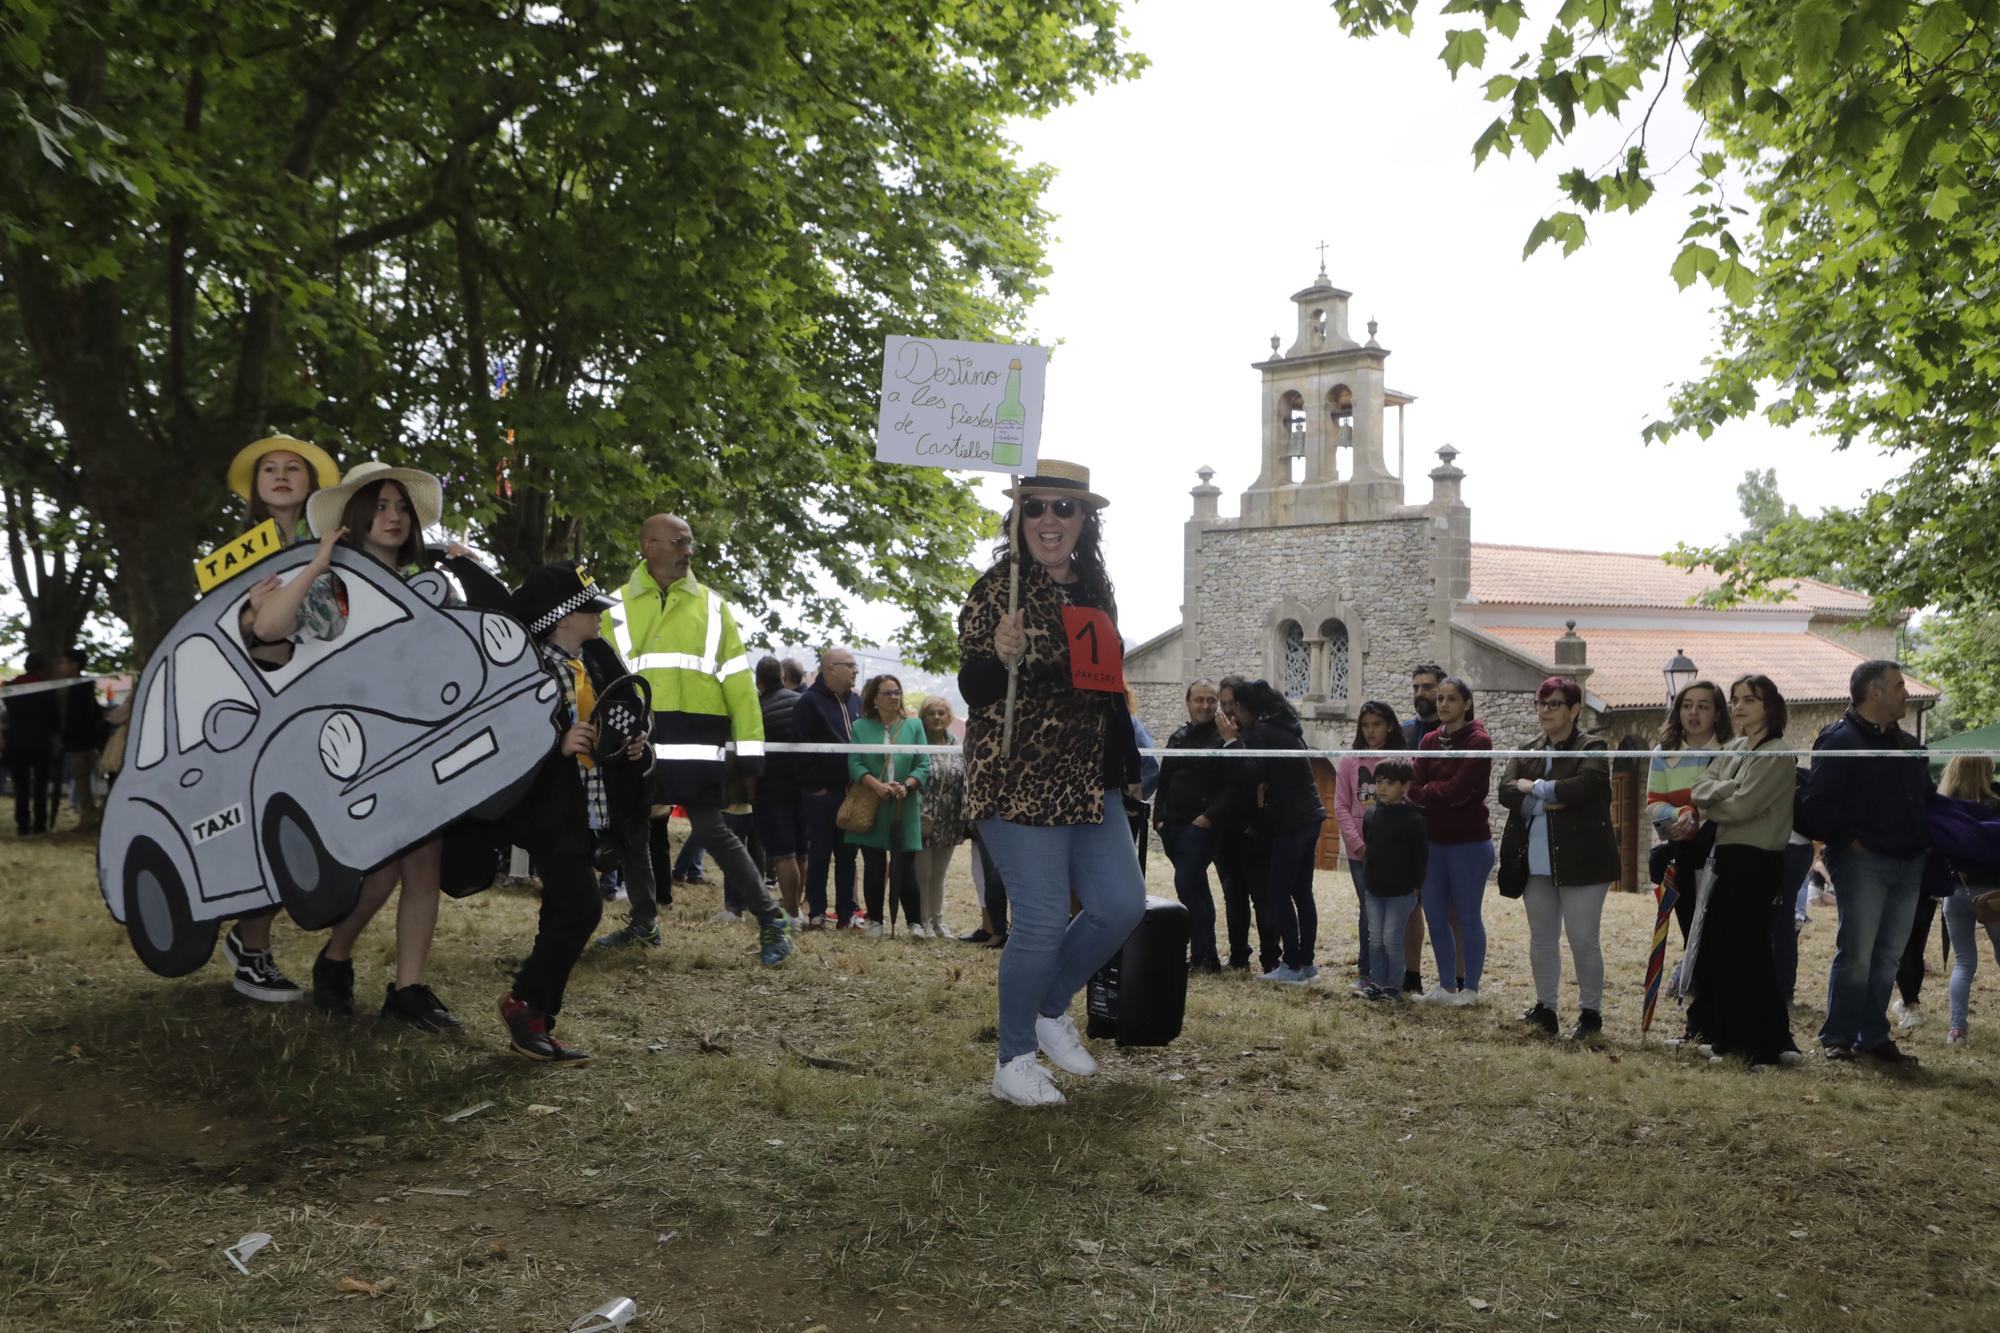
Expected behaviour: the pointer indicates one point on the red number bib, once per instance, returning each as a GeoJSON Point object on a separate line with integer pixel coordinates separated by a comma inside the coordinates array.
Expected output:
{"type": "Point", "coordinates": [1096, 653]}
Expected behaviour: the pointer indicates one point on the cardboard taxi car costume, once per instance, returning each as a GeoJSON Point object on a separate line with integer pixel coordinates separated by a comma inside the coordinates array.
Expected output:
{"type": "Point", "coordinates": [247, 785]}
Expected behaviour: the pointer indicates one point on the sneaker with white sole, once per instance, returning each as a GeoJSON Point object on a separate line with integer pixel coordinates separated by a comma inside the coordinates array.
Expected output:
{"type": "Point", "coordinates": [1024, 1082]}
{"type": "Point", "coordinates": [257, 974]}
{"type": "Point", "coordinates": [725, 916]}
{"type": "Point", "coordinates": [1907, 1016]}
{"type": "Point", "coordinates": [917, 931]}
{"type": "Point", "coordinates": [1285, 976]}
{"type": "Point", "coordinates": [1461, 999]}
{"type": "Point", "coordinates": [872, 931]}
{"type": "Point", "coordinates": [1060, 1041]}
{"type": "Point", "coordinates": [1438, 995]}
{"type": "Point", "coordinates": [1955, 1037]}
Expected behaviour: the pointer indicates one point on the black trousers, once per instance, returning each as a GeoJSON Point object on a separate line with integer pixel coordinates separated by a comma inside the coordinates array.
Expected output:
{"type": "Point", "coordinates": [1243, 864]}
{"type": "Point", "coordinates": [571, 908]}
{"type": "Point", "coordinates": [659, 852]}
{"type": "Point", "coordinates": [1910, 971]}
{"type": "Point", "coordinates": [34, 790]}
{"type": "Point", "coordinates": [996, 888]}
{"type": "Point", "coordinates": [1738, 1007]}
{"type": "Point", "coordinates": [899, 868]}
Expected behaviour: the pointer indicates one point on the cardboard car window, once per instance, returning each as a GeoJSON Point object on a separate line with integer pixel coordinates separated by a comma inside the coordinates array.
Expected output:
{"type": "Point", "coordinates": [255, 785]}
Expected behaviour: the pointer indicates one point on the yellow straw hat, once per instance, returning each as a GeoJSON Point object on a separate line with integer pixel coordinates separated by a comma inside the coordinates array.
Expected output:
{"type": "Point", "coordinates": [243, 467]}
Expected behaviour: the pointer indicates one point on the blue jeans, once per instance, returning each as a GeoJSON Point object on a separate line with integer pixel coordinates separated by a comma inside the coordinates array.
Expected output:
{"type": "Point", "coordinates": [1384, 922]}
{"type": "Point", "coordinates": [1964, 933]}
{"type": "Point", "coordinates": [687, 865]}
{"type": "Point", "coordinates": [1877, 897]}
{"type": "Point", "coordinates": [1357, 872]}
{"type": "Point", "coordinates": [1289, 889]}
{"type": "Point", "coordinates": [1785, 912]}
{"type": "Point", "coordinates": [1050, 955]}
{"type": "Point", "coordinates": [1456, 878]}
{"type": "Point", "coordinates": [1192, 850]}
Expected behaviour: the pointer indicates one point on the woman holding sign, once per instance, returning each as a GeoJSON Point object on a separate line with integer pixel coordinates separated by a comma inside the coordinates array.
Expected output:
{"type": "Point", "coordinates": [1050, 810]}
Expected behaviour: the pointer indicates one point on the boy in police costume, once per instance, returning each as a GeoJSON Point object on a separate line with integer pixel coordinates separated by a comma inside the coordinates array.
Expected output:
{"type": "Point", "coordinates": [578, 797]}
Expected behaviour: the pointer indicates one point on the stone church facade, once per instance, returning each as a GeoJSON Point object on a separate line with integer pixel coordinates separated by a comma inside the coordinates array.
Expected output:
{"type": "Point", "coordinates": [1332, 585]}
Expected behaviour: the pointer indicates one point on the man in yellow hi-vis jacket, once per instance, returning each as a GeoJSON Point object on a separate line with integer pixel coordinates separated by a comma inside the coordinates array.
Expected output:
{"type": "Point", "coordinates": [681, 637]}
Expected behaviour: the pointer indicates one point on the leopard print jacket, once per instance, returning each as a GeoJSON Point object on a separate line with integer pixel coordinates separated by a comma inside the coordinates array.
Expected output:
{"type": "Point", "coordinates": [1056, 773]}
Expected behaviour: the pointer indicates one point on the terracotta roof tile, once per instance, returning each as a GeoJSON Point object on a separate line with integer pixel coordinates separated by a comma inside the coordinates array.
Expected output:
{"type": "Point", "coordinates": [1627, 662]}
{"type": "Point", "coordinates": [1539, 576]}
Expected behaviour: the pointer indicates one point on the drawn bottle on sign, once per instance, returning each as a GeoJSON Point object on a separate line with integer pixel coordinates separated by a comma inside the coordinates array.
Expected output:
{"type": "Point", "coordinates": [1010, 421]}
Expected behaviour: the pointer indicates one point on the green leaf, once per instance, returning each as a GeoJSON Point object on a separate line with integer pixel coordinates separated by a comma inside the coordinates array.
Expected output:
{"type": "Point", "coordinates": [1737, 281]}
{"type": "Point", "coordinates": [1815, 35]}
{"type": "Point", "coordinates": [1694, 261]}
{"type": "Point", "coordinates": [1535, 131]}
{"type": "Point", "coordinates": [1463, 47]}
{"type": "Point", "coordinates": [1941, 29]}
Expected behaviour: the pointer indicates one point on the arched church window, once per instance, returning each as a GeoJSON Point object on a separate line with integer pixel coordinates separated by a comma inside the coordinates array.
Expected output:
{"type": "Point", "coordinates": [1296, 675]}
{"type": "Point", "coordinates": [1334, 634]}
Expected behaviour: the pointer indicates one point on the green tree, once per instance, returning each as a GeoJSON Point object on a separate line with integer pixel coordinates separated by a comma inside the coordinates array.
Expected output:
{"type": "Point", "coordinates": [1843, 198]}
{"type": "Point", "coordinates": [684, 230]}
{"type": "Point", "coordinates": [1763, 507]}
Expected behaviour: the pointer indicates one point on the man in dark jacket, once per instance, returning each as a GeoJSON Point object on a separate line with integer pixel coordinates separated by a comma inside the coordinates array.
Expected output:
{"type": "Point", "coordinates": [1242, 854]}
{"type": "Point", "coordinates": [825, 714]}
{"type": "Point", "coordinates": [1870, 815]}
{"type": "Point", "coordinates": [778, 814]}
{"type": "Point", "coordinates": [32, 729]}
{"type": "Point", "coordinates": [83, 731]}
{"type": "Point", "coordinates": [1424, 678]}
{"type": "Point", "coordinates": [1187, 805]}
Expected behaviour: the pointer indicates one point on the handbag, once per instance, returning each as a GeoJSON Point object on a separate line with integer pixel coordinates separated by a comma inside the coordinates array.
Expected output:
{"type": "Point", "coordinates": [1514, 859]}
{"type": "Point", "coordinates": [858, 809]}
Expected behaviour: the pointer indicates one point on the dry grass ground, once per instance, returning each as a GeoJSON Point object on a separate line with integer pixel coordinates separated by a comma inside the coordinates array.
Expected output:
{"type": "Point", "coordinates": [1294, 1161]}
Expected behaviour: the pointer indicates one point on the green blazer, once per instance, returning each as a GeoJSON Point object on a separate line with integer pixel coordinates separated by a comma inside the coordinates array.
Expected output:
{"type": "Point", "coordinates": [898, 824]}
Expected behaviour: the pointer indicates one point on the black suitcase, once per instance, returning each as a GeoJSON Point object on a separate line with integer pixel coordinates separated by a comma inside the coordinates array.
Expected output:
{"type": "Point", "coordinates": [1140, 996]}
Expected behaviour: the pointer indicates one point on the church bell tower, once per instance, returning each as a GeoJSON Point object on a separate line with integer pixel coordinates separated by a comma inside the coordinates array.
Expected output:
{"type": "Point", "coordinates": [1324, 397]}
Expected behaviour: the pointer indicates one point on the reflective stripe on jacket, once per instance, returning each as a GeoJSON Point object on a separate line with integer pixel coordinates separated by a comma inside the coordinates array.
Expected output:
{"type": "Point", "coordinates": [683, 640]}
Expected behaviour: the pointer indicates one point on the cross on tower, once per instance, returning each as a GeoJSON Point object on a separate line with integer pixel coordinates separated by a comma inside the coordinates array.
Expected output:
{"type": "Point", "coordinates": [1322, 256]}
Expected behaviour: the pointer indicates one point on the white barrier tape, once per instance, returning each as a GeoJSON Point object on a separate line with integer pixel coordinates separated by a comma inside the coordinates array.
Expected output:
{"type": "Point", "coordinates": [42, 686]}
{"type": "Point", "coordinates": [1627, 756]}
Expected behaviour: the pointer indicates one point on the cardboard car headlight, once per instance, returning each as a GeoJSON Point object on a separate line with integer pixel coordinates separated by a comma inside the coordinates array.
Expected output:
{"type": "Point", "coordinates": [247, 786]}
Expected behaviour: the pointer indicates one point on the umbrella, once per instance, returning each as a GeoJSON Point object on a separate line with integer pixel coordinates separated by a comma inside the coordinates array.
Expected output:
{"type": "Point", "coordinates": [1668, 892]}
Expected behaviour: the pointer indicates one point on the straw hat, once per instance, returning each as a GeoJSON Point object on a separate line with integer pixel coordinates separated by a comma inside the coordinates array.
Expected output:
{"type": "Point", "coordinates": [426, 494]}
{"type": "Point", "coordinates": [1054, 475]}
{"type": "Point", "coordinates": [243, 467]}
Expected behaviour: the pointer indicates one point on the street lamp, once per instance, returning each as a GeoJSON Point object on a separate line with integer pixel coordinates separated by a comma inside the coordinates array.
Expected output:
{"type": "Point", "coordinates": [1680, 674]}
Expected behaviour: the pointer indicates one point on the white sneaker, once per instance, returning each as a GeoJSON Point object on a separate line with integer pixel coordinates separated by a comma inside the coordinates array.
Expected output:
{"type": "Point", "coordinates": [1790, 1058]}
{"type": "Point", "coordinates": [1907, 1015]}
{"type": "Point", "coordinates": [873, 930]}
{"type": "Point", "coordinates": [1059, 1041]}
{"type": "Point", "coordinates": [1285, 976]}
{"type": "Point", "coordinates": [917, 932]}
{"type": "Point", "coordinates": [939, 930]}
{"type": "Point", "coordinates": [1461, 999]}
{"type": "Point", "coordinates": [1024, 1082]}
{"type": "Point", "coordinates": [726, 915]}
{"type": "Point", "coordinates": [1438, 995]}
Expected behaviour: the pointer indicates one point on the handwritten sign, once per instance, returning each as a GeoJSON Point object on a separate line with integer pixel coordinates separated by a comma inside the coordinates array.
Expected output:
{"type": "Point", "coordinates": [1096, 653]}
{"type": "Point", "coordinates": [237, 554]}
{"type": "Point", "coordinates": [961, 405]}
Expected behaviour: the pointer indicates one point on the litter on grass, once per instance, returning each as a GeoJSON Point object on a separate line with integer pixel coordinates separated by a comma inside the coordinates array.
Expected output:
{"type": "Point", "coordinates": [614, 1313]}
{"type": "Point", "coordinates": [246, 1247]}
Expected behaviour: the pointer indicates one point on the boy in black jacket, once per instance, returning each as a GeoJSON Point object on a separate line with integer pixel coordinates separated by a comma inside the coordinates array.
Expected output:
{"type": "Point", "coordinates": [1395, 855]}
{"type": "Point", "coordinates": [575, 799]}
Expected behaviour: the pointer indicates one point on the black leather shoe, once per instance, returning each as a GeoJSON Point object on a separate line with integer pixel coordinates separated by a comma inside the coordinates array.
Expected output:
{"type": "Point", "coordinates": [333, 986]}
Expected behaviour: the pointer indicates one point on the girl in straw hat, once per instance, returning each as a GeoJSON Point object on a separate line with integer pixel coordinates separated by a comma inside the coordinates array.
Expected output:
{"type": "Point", "coordinates": [275, 476]}
{"type": "Point", "coordinates": [382, 511]}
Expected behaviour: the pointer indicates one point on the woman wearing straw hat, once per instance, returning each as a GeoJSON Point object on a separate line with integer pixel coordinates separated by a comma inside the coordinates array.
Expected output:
{"type": "Point", "coordinates": [1050, 810]}
{"type": "Point", "coordinates": [382, 511]}
{"type": "Point", "coordinates": [276, 476]}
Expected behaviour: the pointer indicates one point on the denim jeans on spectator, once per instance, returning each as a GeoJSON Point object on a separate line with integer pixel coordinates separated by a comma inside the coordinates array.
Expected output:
{"type": "Point", "coordinates": [1364, 955]}
{"type": "Point", "coordinates": [827, 849]}
{"type": "Point", "coordinates": [1455, 878]}
{"type": "Point", "coordinates": [1050, 954]}
{"type": "Point", "coordinates": [1192, 850]}
{"type": "Point", "coordinates": [1963, 929]}
{"type": "Point", "coordinates": [1877, 898]}
{"type": "Point", "coordinates": [993, 888]}
{"type": "Point", "coordinates": [687, 865]}
{"type": "Point", "coordinates": [1387, 920]}
{"type": "Point", "coordinates": [1785, 911]}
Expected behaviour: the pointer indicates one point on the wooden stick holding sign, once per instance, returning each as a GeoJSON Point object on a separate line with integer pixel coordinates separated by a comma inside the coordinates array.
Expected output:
{"type": "Point", "coordinates": [972, 406]}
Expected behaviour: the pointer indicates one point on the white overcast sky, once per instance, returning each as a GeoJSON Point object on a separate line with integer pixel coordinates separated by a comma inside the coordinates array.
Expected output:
{"type": "Point", "coordinates": [1189, 204]}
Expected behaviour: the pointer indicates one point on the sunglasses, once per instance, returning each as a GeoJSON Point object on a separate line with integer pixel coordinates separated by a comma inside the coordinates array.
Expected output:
{"type": "Point", "coordinates": [1062, 508]}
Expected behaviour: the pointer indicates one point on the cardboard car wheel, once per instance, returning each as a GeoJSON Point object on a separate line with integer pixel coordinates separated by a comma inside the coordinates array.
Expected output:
{"type": "Point", "coordinates": [315, 888]}
{"type": "Point", "coordinates": [166, 938]}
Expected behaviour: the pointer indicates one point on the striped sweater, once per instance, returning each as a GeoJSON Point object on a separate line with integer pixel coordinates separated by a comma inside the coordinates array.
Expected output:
{"type": "Point", "coordinates": [1672, 778]}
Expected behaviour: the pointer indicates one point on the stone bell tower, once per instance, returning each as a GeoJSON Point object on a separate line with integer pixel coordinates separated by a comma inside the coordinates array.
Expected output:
{"type": "Point", "coordinates": [1323, 396]}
